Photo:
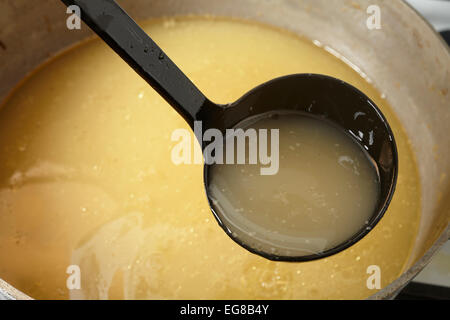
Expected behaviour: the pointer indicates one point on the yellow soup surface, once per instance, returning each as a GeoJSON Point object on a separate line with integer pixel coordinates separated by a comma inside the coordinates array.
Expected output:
{"type": "Point", "coordinates": [86, 178]}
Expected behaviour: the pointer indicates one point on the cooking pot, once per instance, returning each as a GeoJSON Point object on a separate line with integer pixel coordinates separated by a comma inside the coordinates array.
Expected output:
{"type": "Point", "coordinates": [405, 59]}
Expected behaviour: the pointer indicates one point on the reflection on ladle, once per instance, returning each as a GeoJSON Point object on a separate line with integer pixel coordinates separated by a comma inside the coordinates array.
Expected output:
{"type": "Point", "coordinates": [322, 96]}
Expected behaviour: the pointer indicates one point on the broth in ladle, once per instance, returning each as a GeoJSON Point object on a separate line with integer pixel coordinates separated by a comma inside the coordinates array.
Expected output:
{"type": "Point", "coordinates": [324, 192]}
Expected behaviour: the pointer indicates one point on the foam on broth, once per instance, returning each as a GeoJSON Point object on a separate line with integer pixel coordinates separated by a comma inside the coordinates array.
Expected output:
{"type": "Point", "coordinates": [86, 177]}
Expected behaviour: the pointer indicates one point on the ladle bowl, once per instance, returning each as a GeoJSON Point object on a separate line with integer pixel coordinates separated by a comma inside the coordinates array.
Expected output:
{"type": "Point", "coordinates": [331, 100]}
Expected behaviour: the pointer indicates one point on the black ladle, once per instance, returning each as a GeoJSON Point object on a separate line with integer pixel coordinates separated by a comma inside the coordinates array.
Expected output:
{"type": "Point", "coordinates": [319, 95]}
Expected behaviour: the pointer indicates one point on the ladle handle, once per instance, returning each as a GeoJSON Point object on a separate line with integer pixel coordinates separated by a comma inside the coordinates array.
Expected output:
{"type": "Point", "coordinates": [127, 39]}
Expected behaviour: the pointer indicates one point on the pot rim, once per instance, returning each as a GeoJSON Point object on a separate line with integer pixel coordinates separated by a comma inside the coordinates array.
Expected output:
{"type": "Point", "coordinates": [8, 292]}
{"type": "Point", "coordinates": [391, 290]}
